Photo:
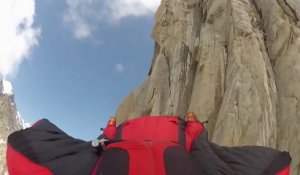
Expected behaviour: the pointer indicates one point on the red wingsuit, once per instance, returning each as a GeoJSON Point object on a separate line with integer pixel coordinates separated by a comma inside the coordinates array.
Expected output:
{"type": "Point", "coordinates": [149, 145]}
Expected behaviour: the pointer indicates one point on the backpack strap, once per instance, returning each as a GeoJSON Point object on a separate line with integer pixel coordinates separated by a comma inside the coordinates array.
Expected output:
{"type": "Point", "coordinates": [193, 129]}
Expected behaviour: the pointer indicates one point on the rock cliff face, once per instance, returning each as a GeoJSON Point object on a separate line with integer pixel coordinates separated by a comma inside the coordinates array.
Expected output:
{"type": "Point", "coordinates": [10, 121]}
{"type": "Point", "coordinates": [235, 63]}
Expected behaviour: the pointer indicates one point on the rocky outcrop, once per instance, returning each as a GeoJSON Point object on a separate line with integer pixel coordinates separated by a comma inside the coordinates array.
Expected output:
{"type": "Point", "coordinates": [10, 121]}
{"type": "Point", "coordinates": [235, 63]}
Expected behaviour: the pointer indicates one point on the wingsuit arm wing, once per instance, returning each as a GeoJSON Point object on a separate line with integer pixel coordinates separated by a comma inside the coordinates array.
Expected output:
{"type": "Point", "coordinates": [44, 149]}
{"type": "Point", "coordinates": [212, 159]}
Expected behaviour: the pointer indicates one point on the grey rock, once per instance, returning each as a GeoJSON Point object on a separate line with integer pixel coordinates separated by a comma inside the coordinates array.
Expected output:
{"type": "Point", "coordinates": [9, 122]}
{"type": "Point", "coordinates": [235, 63]}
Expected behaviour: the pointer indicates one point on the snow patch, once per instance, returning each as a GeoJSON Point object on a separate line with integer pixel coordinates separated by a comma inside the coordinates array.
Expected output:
{"type": "Point", "coordinates": [2, 141]}
{"type": "Point", "coordinates": [21, 121]}
{"type": "Point", "coordinates": [7, 87]}
{"type": "Point", "coordinates": [26, 125]}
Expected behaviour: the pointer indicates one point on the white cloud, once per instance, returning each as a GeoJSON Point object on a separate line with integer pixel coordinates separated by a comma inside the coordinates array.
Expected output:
{"type": "Point", "coordinates": [119, 9]}
{"type": "Point", "coordinates": [17, 36]}
{"type": "Point", "coordinates": [119, 67]}
{"type": "Point", "coordinates": [77, 16]}
{"type": "Point", "coordinates": [82, 29]}
{"type": "Point", "coordinates": [84, 15]}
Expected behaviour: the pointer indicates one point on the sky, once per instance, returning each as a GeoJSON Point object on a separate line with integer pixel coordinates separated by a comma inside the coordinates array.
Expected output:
{"type": "Point", "coordinates": [74, 61]}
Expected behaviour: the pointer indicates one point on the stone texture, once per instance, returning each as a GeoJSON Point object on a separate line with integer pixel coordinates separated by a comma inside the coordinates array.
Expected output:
{"type": "Point", "coordinates": [235, 63]}
{"type": "Point", "coordinates": [9, 122]}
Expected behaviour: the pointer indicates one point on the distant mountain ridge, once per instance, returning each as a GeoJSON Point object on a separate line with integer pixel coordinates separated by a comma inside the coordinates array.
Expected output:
{"type": "Point", "coordinates": [10, 119]}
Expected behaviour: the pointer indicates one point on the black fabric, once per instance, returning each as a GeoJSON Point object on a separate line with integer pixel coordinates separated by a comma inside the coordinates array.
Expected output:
{"type": "Point", "coordinates": [278, 164]}
{"type": "Point", "coordinates": [212, 159]}
{"type": "Point", "coordinates": [114, 162]}
{"type": "Point", "coordinates": [178, 162]}
{"type": "Point", "coordinates": [181, 132]}
{"type": "Point", "coordinates": [47, 145]}
{"type": "Point", "coordinates": [20, 143]}
{"type": "Point", "coordinates": [205, 159]}
{"type": "Point", "coordinates": [119, 132]}
{"type": "Point", "coordinates": [244, 159]}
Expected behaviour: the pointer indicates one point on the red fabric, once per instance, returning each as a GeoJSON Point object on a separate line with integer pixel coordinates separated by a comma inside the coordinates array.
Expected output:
{"type": "Point", "coordinates": [97, 166]}
{"type": "Point", "coordinates": [285, 171]}
{"type": "Point", "coordinates": [151, 128]}
{"type": "Point", "coordinates": [17, 164]}
{"type": "Point", "coordinates": [192, 130]}
{"type": "Point", "coordinates": [110, 131]}
{"type": "Point", "coordinates": [146, 157]}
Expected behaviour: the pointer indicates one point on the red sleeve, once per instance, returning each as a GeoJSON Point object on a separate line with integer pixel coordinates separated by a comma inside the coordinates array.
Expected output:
{"type": "Point", "coordinates": [17, 164]}
{"type": "Point", "coordinates": [111, 129]}
{"type": "Point", "coordinates": [192, 130]}
{"type": "Point", "coordinates": [285, 171]}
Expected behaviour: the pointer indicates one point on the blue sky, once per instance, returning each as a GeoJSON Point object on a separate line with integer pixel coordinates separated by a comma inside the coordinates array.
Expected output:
{"type": "Point", "coordinates": [81, 59]}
